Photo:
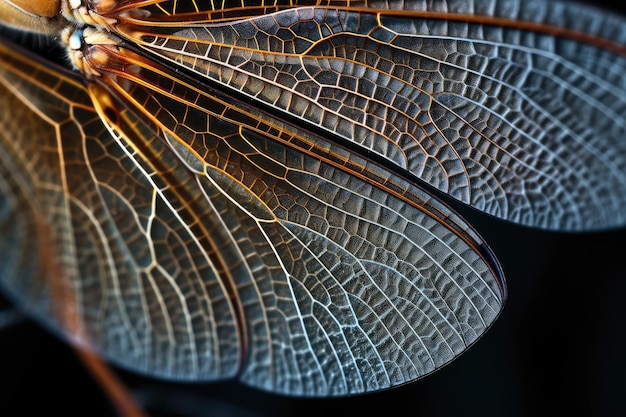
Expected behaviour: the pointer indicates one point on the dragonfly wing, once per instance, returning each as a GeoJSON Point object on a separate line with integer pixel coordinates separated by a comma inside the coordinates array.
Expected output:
{"type": "Point", "coordinates": [514, 107]}
{"type": "Point", "coordinates": [357, 280]}
{"type": "Point", "coordinates": [93, 243]}
{"type": "Point", "coordinates": [343, 286]}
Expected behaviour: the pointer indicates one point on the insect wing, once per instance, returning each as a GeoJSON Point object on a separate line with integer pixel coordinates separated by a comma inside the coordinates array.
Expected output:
{"type": "Point", "coordinates": [91, 242]}
{"type": "Point", "coordinates": [353, 280]}
{"type": "Point", "coordinates": [514, 107]}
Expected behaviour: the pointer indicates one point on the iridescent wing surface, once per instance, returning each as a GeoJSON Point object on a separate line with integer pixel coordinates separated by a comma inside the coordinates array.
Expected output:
{"type": "Point", "coordinates": [258, 259]}
{"type": "Point", "coordinates": [242, 198]}
{"type": "Point", "coordinates": [87, 233]}
{"type": "Point", "coordinates": [514, 107]}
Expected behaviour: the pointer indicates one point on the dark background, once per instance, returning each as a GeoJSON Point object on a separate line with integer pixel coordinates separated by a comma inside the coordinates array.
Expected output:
{"type": "Point", "coordinates": [557, 348]}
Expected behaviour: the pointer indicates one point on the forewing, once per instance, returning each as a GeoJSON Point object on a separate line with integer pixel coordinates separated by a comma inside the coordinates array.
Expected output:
{"type": "Point", "coordinates": [517, 108]}
{"type": "Point", "coordinates": [357, 280]}
{"type": "Point", "coordinates": [105, 243]}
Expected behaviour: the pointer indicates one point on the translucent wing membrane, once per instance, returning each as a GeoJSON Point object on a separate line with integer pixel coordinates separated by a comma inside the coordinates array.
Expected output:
{"type": "Point", "coordinates": [338, 285]}
{"type": "Point", "coordinates": [235, 191]}
{"type": "Point", "coordinates": [479, 99]}
{"type": "Point", "coordinates": [146, 289]}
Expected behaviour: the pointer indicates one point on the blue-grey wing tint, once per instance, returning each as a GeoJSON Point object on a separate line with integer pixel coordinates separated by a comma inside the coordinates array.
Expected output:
{"type": "Point", "coordinates": [515, 107]}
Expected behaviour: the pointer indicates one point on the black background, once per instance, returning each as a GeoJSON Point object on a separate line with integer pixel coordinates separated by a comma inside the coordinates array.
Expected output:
{"type": "Point", "coordinates": [557, 348]}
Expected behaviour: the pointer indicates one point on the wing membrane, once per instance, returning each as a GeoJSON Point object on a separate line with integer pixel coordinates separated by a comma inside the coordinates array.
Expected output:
{"type": "Point", "coordinates": [190, 234]}
{"type": "Point", "coordinates": [342, 286]}
{"type": "Point", "coordinates": [360, 280]}
{"type": "Point", "coordinates": [103, 231]}
{"type": "Point", "coordinates": [516, 108]}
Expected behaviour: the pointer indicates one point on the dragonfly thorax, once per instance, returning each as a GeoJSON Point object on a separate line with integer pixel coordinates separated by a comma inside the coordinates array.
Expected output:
{"type": "Point", "coordinates": [90, 48]}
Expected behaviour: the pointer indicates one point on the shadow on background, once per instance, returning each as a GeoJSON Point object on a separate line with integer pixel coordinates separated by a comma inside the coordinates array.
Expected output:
{"type": "Point", "coordinates": [557, 348]}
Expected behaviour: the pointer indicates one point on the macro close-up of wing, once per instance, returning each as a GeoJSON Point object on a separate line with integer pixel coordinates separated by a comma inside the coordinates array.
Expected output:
{"type": "Point", "coordinates": [342, 286]}
{"type": "Point", "coordinates": [477, 98]}
{"type": "Point", "coordinates": [254, 192]}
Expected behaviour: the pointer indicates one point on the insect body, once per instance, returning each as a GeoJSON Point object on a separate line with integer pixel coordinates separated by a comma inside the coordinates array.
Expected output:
{"type": "Point", "coordinates": [242, 191]}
